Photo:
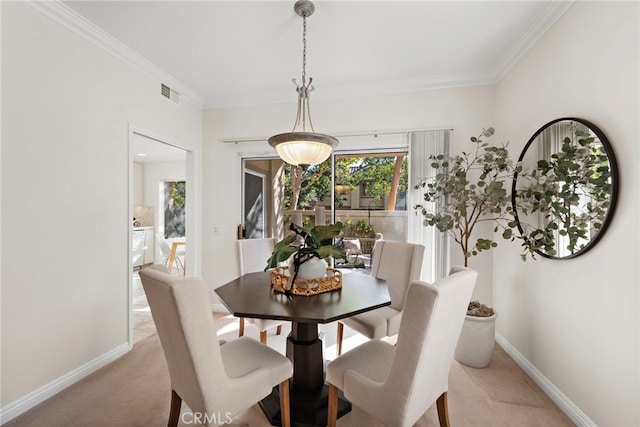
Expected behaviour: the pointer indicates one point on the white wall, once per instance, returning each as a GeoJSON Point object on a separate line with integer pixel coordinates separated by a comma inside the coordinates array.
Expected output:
{"type": "Point", "coordinates": [66, 110]}
{"type": "Point", "coordinates": [577, 320]}
{"type": "Point", "coordinates": [466, 110]}
{"type": "Point", "coordinates": [138, 184]}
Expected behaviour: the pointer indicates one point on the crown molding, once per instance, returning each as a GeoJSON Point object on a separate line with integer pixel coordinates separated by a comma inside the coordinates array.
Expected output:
{"type": "Point", "coordinates": [73, 21]}
{"type": "Point", "coordinates": [388, 87]}
{"type": "Point", "coordinates": [540, 26]}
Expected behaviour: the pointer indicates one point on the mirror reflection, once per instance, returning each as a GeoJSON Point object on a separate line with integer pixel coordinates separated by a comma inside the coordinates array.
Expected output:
{"type": "Point", "coordinates": [565, 193]}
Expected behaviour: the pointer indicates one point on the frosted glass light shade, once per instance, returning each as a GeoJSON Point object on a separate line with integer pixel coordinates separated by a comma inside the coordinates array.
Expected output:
{"type": "Point", "coordinates": [303, 148]}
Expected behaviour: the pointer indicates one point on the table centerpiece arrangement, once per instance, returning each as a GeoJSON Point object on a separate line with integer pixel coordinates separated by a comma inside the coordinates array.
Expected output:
{"type": "Point", "coordinates": [305, 250]}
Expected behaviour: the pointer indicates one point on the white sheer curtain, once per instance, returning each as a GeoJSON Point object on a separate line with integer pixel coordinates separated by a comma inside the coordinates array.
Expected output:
{"type": "Point", "coordinates": [421, 146]}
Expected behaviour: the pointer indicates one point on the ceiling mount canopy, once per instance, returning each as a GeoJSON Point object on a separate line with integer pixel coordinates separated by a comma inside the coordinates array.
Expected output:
{"type": "Point", "coordinates": [302, 146]}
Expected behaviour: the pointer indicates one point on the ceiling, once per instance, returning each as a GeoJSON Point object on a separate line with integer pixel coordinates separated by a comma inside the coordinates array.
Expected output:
{"type": "Point", "coordinates": [237, 53]}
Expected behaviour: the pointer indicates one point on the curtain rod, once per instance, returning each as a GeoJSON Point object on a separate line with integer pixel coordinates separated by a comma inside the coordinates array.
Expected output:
{"type": "Point", "coordinates": [374, 134]}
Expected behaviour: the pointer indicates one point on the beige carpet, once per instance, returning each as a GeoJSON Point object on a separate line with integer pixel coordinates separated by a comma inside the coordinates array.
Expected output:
{"type": "Point", "coordinates": [134, 391]}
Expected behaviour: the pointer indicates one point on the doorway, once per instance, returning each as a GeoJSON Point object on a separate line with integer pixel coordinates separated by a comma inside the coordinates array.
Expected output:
{"type": "Point", "coordinates": [155, 162]}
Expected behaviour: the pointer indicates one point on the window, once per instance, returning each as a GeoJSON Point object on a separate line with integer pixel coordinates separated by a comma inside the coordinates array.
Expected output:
{"type": "Point", "coordinates": [174, 209]}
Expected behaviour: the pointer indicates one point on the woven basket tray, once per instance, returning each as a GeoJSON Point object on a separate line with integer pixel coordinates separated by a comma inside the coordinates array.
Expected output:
{"type": "Point", "coordinates": [281, 282]}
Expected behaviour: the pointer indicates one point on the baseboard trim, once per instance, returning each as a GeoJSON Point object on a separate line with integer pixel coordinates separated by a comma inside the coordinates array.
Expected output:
{"type": "Point", "coordinates": [28, 401]}
{"type": "Point", "coordinates": [564, 403]}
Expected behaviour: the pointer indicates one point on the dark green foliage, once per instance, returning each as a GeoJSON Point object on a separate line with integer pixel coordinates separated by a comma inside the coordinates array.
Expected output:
{"type": "Point", "coordinates": [315, 242]}
{"type": "Point", "coordinates": [174, 210]}
{"type": "Point", "coordinates": [378, 171]}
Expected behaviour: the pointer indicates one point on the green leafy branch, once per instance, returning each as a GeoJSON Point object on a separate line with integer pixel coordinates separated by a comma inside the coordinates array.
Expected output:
{"type": "Point", "coordinates": [468, 189]}
{"type": "Point", "coordinates": [316, 242]}
{"type": "Point", "coordinates": [571, 192]}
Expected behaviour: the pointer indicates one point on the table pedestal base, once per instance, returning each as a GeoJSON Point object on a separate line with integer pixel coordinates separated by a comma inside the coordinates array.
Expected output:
{"type": "Point", "coordinates": [307, 408]}
{"type": "Point", "coordinates": [309, 395]}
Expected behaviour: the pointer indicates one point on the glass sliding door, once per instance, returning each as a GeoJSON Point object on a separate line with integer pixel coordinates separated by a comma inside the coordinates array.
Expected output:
{"type": "Point", "coordinates": [366, 191]}
{"type": "Point", "coordinates": [370, 200]}
{"type": "Point", "coordinates": [369, 190]}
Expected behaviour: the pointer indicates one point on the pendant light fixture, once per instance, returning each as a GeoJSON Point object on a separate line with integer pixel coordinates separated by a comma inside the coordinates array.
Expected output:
{"type": "Point", "coordinates": [302, 146]}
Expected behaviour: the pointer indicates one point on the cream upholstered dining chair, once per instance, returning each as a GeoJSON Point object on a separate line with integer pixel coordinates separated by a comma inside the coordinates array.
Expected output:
{"type": "Point", "coordinates": [398, 384]}
{"type": "Point", "coordinates": [214, 380]}
{"type": "Point", "coordinates": [253, 255]}
{"type": "Point", "coordinates": [397, 263]}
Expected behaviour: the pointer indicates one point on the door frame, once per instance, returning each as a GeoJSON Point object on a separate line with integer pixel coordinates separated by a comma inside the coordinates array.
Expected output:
{"type": "Point", "coordinates": [263, 177]}
{"type": "Point", "coordinates": [190, 210]}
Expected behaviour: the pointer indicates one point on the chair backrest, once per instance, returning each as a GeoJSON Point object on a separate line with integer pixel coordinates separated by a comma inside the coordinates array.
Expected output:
{"type": "Point", "coordinates": [182, 315]}
{"type": "Point", "coordinates": [165, 248]}
{"type": "Point", "coordinates": [254, 254]}
{"type": "Point", "coordinates": [398, 263]}
{"type": "Point", "coordinates": [431, 324]}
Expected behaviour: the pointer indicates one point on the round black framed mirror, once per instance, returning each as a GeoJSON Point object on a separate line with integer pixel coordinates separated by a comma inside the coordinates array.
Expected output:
{"type": "Point", "coordinates": [564, 193]}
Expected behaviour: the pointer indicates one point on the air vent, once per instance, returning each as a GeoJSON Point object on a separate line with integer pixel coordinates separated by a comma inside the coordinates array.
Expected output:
{"type": "Point", "coordinates": [169, 93]}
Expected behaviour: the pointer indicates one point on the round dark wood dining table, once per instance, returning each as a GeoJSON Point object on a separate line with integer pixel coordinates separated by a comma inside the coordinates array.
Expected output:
{"type": "Point", "coordinates": [251, 296]}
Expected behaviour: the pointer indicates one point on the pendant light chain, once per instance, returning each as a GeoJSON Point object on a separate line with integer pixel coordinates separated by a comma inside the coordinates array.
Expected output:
{"type": "Point", "coordinates": [304, 49]}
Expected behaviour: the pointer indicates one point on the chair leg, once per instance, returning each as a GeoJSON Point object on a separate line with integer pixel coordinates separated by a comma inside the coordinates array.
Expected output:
{"type": "Point", "coordinates": [443, 410]}
{"type": "Point", "coordinates": [279, 330]}
{"type": "Point", "coordinates": [263, 336]}
{"type": "Point", "coordinates": [241, 328]}
{"type": "Point", "coordinates": [180, 267]}
{"type": "Point", "coordinates": [339, 338]}
{"type": "Point", "coordinates": [174, 412]}
{"type": "Point", "coordinates": [332, 413]}
{"type": "Point", "coordinates": [285, 415]}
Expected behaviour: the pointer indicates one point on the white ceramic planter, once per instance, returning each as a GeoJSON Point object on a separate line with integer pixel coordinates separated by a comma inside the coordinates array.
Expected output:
{"type": "Point", "coordinates": [312, 269]}
{"type": "Point", "coordinates": [476, 341]}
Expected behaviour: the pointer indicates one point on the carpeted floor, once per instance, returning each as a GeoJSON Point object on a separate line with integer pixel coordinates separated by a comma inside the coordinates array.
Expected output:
{"type": "Point", "coordinates": [134, 391]}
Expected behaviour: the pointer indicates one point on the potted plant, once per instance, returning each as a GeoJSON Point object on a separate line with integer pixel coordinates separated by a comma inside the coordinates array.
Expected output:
{"type": "Point", "coordinates": [364, 232]}
{"type": "Point", "coordinates": [477, 337]}
{"type": "Point", "coordinates": [306, 250]}
{"type": "Point", "coordinates": [467, 189]}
